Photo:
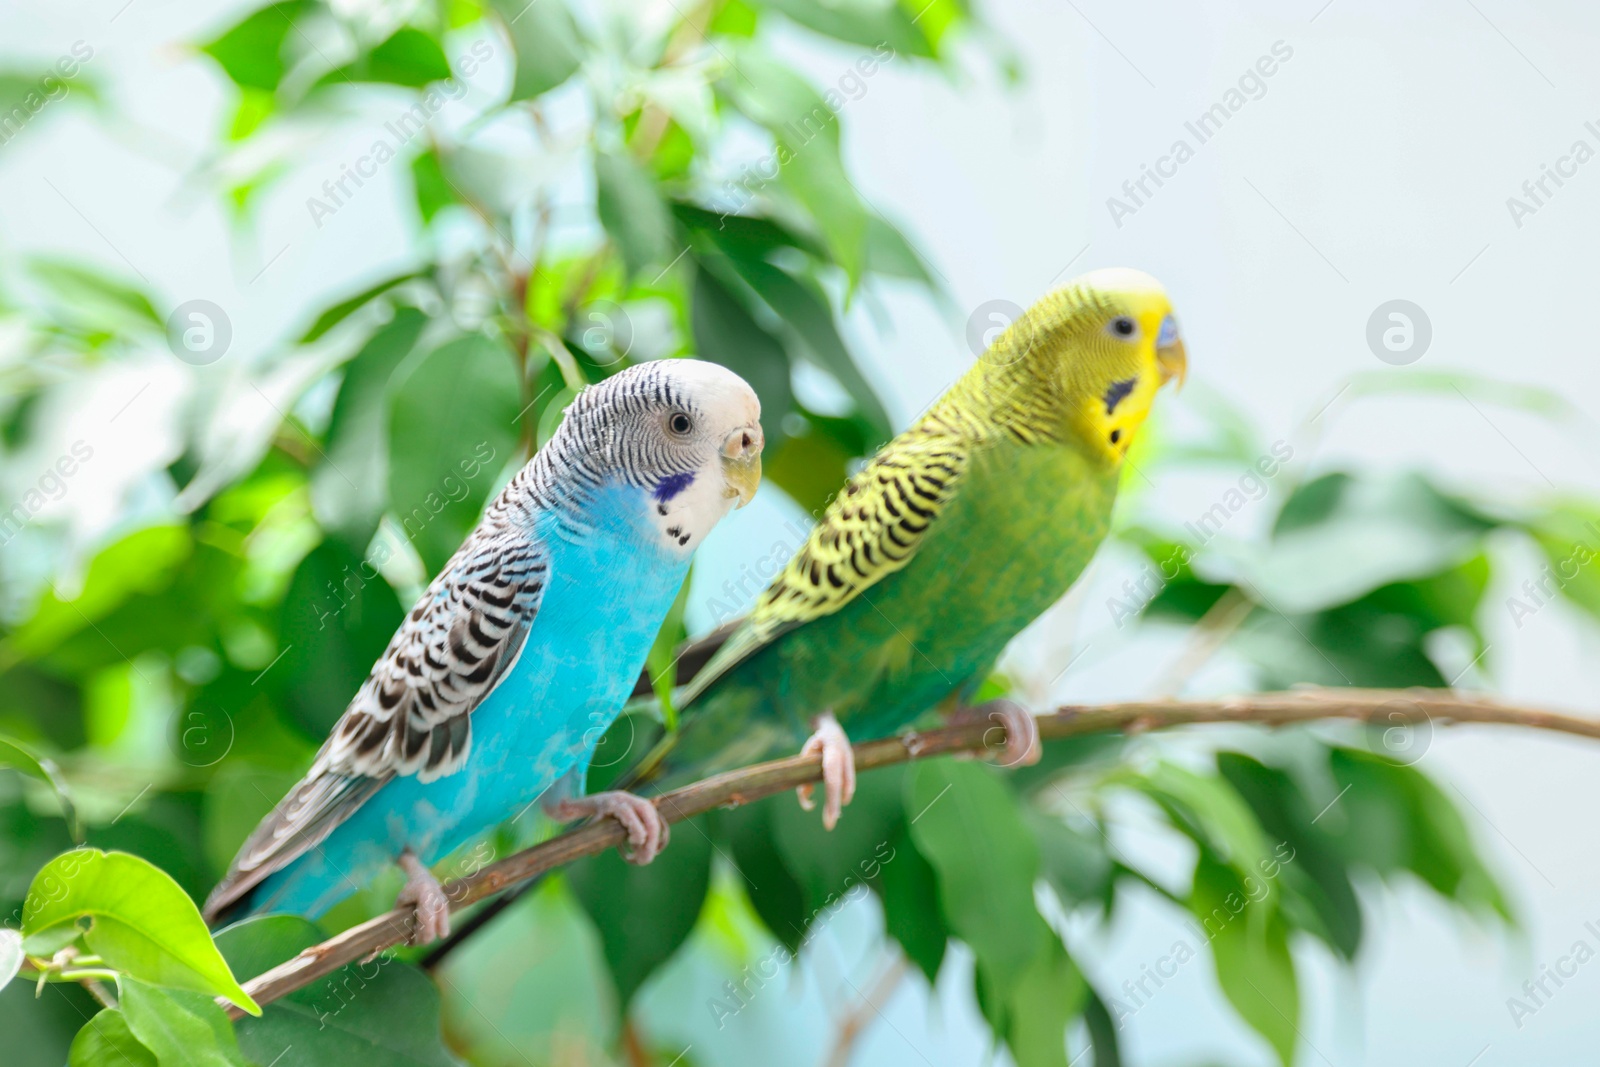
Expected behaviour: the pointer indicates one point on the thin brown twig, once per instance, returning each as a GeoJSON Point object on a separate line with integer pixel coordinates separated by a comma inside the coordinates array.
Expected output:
{"type": "Point", "coordinates": [854, 1024]}
{"type": "Point", "coordinates": [1388, 707]}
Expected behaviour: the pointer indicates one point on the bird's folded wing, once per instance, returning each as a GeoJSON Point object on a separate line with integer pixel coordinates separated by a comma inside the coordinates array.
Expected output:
{"type": "Point", "coordinates": [872, 529]}
{"type": "Point", "coordinates": [413, 713]}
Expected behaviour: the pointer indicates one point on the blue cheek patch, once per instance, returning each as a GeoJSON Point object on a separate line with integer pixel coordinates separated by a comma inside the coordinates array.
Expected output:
{"type": "Point", "coordinates": [1169, 332]}
{"type": "Point", "coordinates": [672, 485]}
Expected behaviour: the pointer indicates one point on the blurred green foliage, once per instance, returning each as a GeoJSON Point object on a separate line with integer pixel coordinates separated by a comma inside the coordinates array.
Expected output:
{"type": "Point", "coordinates": [174, 677]}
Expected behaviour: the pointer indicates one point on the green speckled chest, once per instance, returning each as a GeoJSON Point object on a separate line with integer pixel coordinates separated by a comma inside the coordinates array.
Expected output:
{"type": "Point", "coordinates": [1025, 523]}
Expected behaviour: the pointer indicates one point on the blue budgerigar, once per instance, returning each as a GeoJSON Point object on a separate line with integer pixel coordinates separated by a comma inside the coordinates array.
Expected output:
{"type": "Point", "coordinates": [502, 679]}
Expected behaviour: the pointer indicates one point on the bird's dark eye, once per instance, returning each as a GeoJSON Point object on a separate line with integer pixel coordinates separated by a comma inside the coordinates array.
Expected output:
{"type": "Point", "coordinates": [1123, 326]}
{"type": "Point", "coordinates": [680, 423]}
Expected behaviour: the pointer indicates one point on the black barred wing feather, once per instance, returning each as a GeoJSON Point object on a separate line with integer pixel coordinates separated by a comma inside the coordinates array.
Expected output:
{"type": "Point", "coordinates": [870, 530]}
{"type": "Point", "coordinates": [413, 713]}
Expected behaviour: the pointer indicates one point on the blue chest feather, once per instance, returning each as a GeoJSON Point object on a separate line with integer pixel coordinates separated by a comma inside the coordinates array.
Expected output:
{"type": "Point", "coordinates": [606, 595]}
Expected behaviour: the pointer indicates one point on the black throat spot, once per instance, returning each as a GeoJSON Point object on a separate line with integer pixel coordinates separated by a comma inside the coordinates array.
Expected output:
{"type": "Point", "coordinates": [1116, 392]}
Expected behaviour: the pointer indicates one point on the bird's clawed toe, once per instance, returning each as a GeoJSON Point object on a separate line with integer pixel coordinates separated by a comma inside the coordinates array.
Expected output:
{"type": "Point", "coordinates": [648, 830]}
{"type": "Point", "coordinates": [838, 770]}
{"type": "Point", "coordinates": [427, 899]}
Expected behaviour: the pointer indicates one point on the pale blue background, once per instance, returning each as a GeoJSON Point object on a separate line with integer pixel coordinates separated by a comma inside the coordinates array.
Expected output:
{"type": "Point", "coordinates": [1383, 151]}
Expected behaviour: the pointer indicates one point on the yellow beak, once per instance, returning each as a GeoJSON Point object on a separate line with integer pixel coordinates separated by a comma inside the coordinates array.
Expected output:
{"type": "Point", "coordinates": [1173, 361]}
{"type": "Point", "coordinates": [741, 463]}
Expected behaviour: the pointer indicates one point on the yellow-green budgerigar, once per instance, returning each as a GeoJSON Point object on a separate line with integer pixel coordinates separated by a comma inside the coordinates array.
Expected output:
{"type": "Point", "coordinates": [955, 536]}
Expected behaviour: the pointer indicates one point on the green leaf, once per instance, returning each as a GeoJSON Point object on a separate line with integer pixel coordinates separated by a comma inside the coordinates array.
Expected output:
{"type": "Point", "coordinates": [967, 824]}
{"type": "Point", "coordinates": [251, 53]}
{"type": "Point", "coordinates": [632, 211]}
{"type": "Point", "coordinates": [888, 28]}
{"type": "Point", "coordinates": [806, 130]}
{"type": "Point", "coordinates": [911, 911]}
{"type": "Point", "coordinates": [106, 1041]}
{"type": "Point", "coordinates": [336, 314]}
{"type": "Point", "coordinates": [452, 428]}
{"type": "Point", "coordinates": [334, 623]}
{"type": "Point", "coordinates": [11, 955]}
{"type": "Point", "coordinates": [1207, 809]}
{"type": "Point", "coordinates": [99, 299]}
{"type": "Point", "coordinates": [1102, 1031]}
{"type": "Point", "coordinates": [142, 562]}
{"type": "Point", "coordinates": [546, 42]}
{"type": "Point", "coordinates": [408, 57]}
{"type": "Point", "coordinates": [1380, 529]}
{"type": "Point", "coordinates": [832, 863]}
{"type": "Point", "coordinates": [142, 923]}
{"type": "Point", "coordinates": [774, 892]}
{"type": "Point", "coordinates": [1076, 865]}
{"type": "Point", "coordinates": [377, 1013]}
{"type": "Point", "coordinates": [182, 1029]}
{"type": "Point", "coordinates": [15, 755]}
{"type": "Point", "coordinates": [1317, 873]}
{"type": "Point", "coordinates": [1394, 818]}
{"type": "Point", "coordinates": [1043, 1000]}
{"type": "Point", "coordinates": [1250, 947]}
{"type": "Point", "coordinates": [725, 332]}
{"type": "Point", "coordinates": [644, 914]}
{"type": "Point", "coordinates": [349, 486]}
{"type": "Point", "coordinates": [806, 311]}
{"type": "Point", "coordinates": [433, 189]}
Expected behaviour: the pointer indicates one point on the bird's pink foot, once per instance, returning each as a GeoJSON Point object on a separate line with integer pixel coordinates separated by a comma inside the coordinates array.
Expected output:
{"type": "Point", "coordinates": [430, 906]}
{"type": "Point", "coordinates": [648, 832]}
{"type": "Point", "coordinates": [1019, 741]}
{"type": "Point", "coordinates": [838, 769]}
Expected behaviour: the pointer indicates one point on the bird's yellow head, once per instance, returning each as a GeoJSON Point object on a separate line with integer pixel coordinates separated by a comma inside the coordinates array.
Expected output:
{"type": "Point", "coordinates": [1091, 355]}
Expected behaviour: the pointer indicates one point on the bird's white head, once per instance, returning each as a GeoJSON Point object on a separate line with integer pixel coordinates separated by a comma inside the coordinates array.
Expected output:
{"type": "Point", "coordinates": [686, 431]}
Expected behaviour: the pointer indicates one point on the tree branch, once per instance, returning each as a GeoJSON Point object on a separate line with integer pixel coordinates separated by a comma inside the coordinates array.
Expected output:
{"type": "Point", "coordinates": [1390, 708]}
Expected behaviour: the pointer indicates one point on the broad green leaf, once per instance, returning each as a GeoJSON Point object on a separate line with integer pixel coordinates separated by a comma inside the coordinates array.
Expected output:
{"type": "Point", "coordinates": [1102, 1031]}
{"type": "Point", "coordinates": [911, 912]}
{"type": "Point", "coordinates": [632, 211]}
{"type": "Point", "coordinates": [806, 311]}
{"type": "Point", "coordinates": [408, 57]}
{"type": "Point", "coordinates": [806, 130]}
{"type": "Point", "coordinates": [11, 955]}
{"type": "Point", "coordinates": [644, 914]}
{"type": "Point", "coordinates": [886, 28]}
{"type": "Point", "coordinates": [142, 562]}
{"type": "Point", "coordinates": [1041, 1003]}
{"type": "Point", "coordinates": [1250, 947]}
{"type": "Point", "coordinates": [725, 332]}
{"type": "Point", "coordinates": [141, 922]}
{"type": "Point", "coordinates": [1381, 529]}
{"type": "Point", "coordinates": [1393, 818]}
{"type": "Point", "coordinates": [1207, 809]}
{"type": "Point", "coordinates": [452, 428]}
{"type": "Point", "coordinates": [377, 1013]}
{"type": "Point", "coordinates": [433, 189]}
{"type": "Point", "coordinates": [106, 1041]}
{"type": "Point", "coordinates": [889, 253]}
{"type": "Point", "coordinates": [336, 314]}
{"type": "Point", "coordinates": [967, 824]}
{"type": "Point", "coordinates": [832, 863]}
{"type": "Point", "coordinates": [1311, 867]}
{"type": "Point", "coordinates": [535, 990]}
{"type": "Point", "coordinates": [182, 1029]}
{"type": "Point", "coordinates": [334, 623]}
{"type": "Point", "coordinates": [252, 51]}
{"type": "Point", "coordinates": [349, 487]}
{"type": "Point", "coordinates": [101, 300]}
{"type": "Point", "coordinates": [546, 42]}
{"type": "Point", "coordinates": [1568, 533]}
{"type": "Point", "coordinates": [774, 892]}
{"type": "Point", "coordinates": [16, 755]}
{"type": "Point", "coordinates": [1075, 864]}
